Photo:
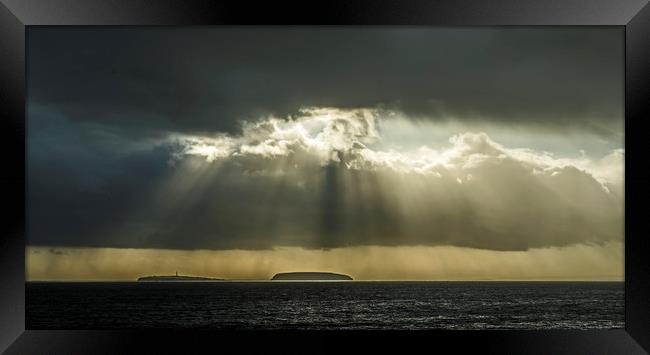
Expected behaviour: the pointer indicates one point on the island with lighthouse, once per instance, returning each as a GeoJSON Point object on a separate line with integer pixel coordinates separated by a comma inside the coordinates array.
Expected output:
{"type": "Point", "coordinates": [176, 278]}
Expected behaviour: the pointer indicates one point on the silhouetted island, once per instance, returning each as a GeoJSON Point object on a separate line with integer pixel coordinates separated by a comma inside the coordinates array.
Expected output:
{"type": "Point", "coordinates": [177, 278]}
{"type": "Point", "coordinates": [310, 276]}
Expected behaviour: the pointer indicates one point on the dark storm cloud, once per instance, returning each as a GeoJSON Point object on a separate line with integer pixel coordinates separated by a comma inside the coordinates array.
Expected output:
{"type": "Point", "coordinates": [80, 177]}
{"type": "Point", "coordinates": [206, 79]}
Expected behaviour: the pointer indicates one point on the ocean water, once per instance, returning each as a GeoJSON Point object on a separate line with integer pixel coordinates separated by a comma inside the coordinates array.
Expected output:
{"type": "Point", "coordinates": [326, 305]}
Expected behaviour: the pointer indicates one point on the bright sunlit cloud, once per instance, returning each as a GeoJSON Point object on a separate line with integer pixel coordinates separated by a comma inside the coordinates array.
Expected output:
{"type": "Point", "coordinates": [333, 135]}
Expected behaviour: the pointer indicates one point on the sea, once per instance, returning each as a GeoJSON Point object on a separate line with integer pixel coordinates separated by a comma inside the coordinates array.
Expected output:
{"type": "Point", "coordinates": [325, 305]}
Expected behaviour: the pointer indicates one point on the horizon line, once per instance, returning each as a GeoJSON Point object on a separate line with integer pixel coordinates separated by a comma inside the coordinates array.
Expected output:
{"type": "Point", "coordinates": [354, 280]}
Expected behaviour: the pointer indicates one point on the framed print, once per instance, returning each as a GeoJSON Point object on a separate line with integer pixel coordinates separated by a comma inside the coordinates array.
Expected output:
{"type": "Point", "coordinates": [181, 175]}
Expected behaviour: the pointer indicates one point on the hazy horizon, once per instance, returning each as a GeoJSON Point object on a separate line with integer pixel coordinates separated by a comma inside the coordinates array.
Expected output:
{"type": "Point", "coordinates": [412, 265]}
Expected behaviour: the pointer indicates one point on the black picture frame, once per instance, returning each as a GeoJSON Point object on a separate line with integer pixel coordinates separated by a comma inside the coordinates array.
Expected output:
{"type": "Point", "coordinates": [15, 15]}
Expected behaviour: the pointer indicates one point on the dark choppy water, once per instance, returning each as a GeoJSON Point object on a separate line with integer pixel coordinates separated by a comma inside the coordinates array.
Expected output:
{"type": "Point", "coordinates": [326, 305]}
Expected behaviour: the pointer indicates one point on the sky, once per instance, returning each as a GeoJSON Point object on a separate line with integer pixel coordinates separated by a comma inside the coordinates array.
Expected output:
{"type": "Point", "coordinates": [391, 153]}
